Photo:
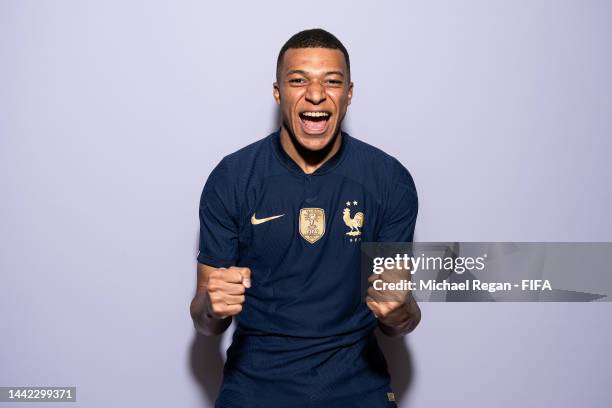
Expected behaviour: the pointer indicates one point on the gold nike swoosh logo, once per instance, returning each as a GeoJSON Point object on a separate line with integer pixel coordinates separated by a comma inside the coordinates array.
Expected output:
{"type": "Point", "coordinates": [257, 221]}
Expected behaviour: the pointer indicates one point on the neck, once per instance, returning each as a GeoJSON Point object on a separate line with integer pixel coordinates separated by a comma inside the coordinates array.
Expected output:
{"type": "Point", "coordinates": [308, 160]}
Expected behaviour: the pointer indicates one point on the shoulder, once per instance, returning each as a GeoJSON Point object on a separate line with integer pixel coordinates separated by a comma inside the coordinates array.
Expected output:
{"type": "Point", "coordinates": [389, 179]}
{"type": "Point", "coordinates": [236, 167]}
{"type": "Point", "coordinates": [237, 172]}
{"type": "Point", "coordinates": [374, 161]}
{"type": "Point", "coordinates": [246, 155]}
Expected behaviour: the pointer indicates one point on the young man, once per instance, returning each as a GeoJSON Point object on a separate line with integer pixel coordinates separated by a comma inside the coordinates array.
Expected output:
{"type": "Point", "coordinates": [281, 222]}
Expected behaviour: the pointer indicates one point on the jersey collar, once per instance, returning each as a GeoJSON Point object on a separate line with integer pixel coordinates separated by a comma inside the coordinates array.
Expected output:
{"type": "Point", "coordinates": [328, 166]}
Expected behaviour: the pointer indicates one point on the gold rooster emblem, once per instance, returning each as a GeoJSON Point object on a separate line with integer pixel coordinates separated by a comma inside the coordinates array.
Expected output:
{"type": "Point", "coordinates": [354, 223]}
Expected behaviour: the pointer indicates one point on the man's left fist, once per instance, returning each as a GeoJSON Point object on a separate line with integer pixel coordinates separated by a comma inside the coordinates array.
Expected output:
{"type": "Point", "coordinates": [396, 310]}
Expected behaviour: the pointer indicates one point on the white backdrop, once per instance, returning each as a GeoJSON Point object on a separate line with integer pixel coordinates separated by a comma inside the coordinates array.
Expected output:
{"type": "Point", "coordinates": [113, 113]}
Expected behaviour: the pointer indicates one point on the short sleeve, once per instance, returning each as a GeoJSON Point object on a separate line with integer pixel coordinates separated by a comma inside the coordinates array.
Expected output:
{"type": "Point", "coordinates": [218, 220]}
{"type": "Point", "coordinates": [400, 209]}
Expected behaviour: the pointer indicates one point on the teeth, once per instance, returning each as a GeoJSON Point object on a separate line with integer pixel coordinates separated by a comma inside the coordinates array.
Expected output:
{"type": "Point", "coordinates": [315, 114]}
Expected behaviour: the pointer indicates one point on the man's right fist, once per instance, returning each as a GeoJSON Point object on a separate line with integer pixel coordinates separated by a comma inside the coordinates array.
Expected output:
{"type": "Point", "coordinates": [225, 291]}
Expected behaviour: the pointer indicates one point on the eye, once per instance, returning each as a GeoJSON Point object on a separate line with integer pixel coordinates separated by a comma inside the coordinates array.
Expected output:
{"type": "Point", "coordinates": [297, 81]}
{"type": "Point", "coordinates": [334, 82]}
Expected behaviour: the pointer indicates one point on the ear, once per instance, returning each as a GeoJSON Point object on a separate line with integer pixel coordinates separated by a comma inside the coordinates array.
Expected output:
{"type": "Point", "coordinates": [276, 92]}
{"type": "Point", "coordinates": [350, 93]}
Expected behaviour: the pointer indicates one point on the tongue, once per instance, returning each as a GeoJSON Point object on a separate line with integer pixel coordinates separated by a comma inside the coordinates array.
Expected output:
{"type": "Point", "coordinates": [314, 126]}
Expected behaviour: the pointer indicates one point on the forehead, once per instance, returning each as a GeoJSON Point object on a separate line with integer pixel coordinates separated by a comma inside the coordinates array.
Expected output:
{"type": "Point", "coordinates": [313, 60]}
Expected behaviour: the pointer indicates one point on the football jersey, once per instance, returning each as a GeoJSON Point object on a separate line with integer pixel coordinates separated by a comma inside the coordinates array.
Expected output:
{"type": "Point", "coordinates": [304, 337]}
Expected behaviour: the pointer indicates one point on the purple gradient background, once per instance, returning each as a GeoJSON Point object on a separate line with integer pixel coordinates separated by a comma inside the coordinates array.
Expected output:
{"type": "Point", "coordinates": [113, 113]}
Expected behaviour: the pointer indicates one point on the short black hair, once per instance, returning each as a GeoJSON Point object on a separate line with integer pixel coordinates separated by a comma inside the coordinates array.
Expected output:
{"type": "Point", "coordinates": [313, 38]}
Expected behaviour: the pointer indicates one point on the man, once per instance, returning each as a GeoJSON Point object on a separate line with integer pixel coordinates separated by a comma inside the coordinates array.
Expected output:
{"type": "Point", "coordinates": [281, 222]}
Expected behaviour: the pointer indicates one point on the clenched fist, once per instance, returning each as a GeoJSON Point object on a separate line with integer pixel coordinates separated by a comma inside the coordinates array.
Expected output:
{"type": "Point", "coordinates": [396, 309]}
{"type": "Point", "coordinates": [225, 291]}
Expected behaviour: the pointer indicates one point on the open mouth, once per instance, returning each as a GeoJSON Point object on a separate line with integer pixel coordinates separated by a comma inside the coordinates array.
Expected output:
{"type": "Point", "coordinates": [315, 122]}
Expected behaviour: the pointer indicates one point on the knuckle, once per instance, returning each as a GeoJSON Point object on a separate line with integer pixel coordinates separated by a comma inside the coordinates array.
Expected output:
{"type": "Point", "coordinates": [216, 308]}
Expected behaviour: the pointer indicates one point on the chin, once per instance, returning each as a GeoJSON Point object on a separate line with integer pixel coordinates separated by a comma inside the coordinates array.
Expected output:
{"type": "Point", "coordinates": [314, 142]}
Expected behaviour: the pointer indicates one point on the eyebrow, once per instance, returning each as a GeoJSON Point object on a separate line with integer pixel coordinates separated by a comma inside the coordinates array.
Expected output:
{"type": "Point", "coordinates": [302, 72]}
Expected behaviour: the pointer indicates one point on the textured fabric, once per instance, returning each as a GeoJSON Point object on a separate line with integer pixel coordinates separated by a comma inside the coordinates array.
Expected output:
{"type": "Point", "coordinates": [304, 336]}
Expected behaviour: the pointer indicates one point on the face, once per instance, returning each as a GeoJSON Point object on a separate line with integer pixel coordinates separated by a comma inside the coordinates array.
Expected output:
{"type": "Point", "coordinates": [313, 92]}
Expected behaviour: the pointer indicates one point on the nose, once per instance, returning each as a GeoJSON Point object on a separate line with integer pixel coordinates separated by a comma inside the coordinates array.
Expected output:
{"type": "Point", "coordinates": [315, 93]}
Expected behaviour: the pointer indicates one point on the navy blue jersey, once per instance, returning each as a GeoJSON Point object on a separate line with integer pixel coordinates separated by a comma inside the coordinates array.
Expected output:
{"type": "Point", "coordinates": [304, 337]}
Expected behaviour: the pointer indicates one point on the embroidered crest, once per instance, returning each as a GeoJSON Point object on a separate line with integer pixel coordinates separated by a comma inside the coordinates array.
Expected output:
{"type": "Point", "coordinates": [354, 222]}
{"type": "Point", "coordinates": [312, 224]}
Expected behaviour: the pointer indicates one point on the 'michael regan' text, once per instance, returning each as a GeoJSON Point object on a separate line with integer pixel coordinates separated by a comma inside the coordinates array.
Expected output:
{"type": "Point", "coordinates": [474, 284]}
